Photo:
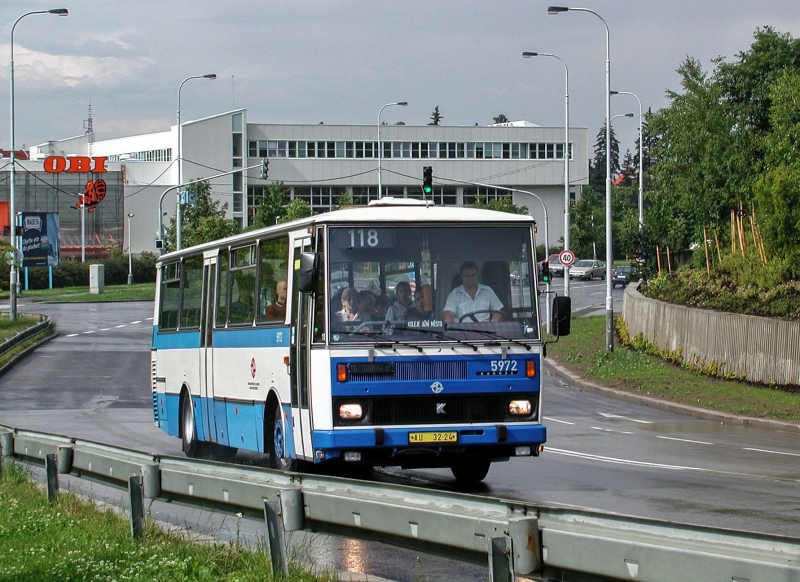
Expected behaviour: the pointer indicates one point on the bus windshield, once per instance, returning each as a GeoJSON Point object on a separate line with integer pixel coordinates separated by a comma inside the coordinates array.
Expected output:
{"type": "Point", "coordinates": [431, 283]}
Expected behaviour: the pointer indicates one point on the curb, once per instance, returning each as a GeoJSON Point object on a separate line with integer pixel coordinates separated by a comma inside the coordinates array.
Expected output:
{"type": "Point", "coordinates": [704, 413]}
{"type": "Point", "coordinates": [13, 360]}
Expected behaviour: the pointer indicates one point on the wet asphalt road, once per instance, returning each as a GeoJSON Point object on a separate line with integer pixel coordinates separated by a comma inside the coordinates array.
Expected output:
{"type": "Point", "coordinates": [92, 382]}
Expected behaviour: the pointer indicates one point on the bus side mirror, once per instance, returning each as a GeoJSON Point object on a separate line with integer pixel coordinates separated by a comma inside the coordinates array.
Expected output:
{"type": "Point", "coordinates": [307, 279]}
{"type": "Point", "coordinates": [562, 312]}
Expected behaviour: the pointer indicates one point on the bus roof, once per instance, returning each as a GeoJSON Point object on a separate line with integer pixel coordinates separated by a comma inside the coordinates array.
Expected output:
{"type": "Point", "coordinates": [384, 211]}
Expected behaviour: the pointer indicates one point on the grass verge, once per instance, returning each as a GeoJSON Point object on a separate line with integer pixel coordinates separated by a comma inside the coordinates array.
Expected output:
{"type": "Point", "coordinates": [584, 352]}
{"type": "Point", "coordinates": [74, 541]}
{"type": "Point", "coordinates": [137, 292]}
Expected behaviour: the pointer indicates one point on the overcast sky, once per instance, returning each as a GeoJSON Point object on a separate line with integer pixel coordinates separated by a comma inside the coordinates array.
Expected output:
{"type": "Point", "coordinates": [339, 61]}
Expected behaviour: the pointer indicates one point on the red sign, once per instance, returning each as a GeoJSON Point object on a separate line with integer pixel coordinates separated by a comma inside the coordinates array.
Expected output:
{"type": "Point", "coordinates": [253, 368]}
{"type": "Point", "coordinates": [94, 194]}
{"type": "Point", "coordinates": [75, 164]}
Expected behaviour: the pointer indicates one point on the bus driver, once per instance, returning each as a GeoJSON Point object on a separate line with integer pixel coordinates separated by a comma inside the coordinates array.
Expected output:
{"type": "Point", "coordinates": [472, 296]}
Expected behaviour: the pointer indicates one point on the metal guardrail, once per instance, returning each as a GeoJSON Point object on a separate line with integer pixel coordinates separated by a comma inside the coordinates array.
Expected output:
{"type": "Point", "coordinates": [25, 334]}
{"type": "Point", "coordinates": [513, 538]}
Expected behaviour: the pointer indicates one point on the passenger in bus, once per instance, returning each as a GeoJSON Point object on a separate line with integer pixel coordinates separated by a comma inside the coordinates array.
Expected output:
{"type": "Point", "coordinates": [242, 308]}
{"type": "Point", "coordinates": [397, 310]}
{"type": "Point", "coordinates": [472, 296]}
{"type": "Point", "coordinates": [381, 306]}
{"type": "Point", "coordinates": [423, 304]}
{"type": "Point", "coordinates": [349, 310]}
{"type": "Point", "coordinates": [366, 305]}
{"type": "Point", "coordinates": [276, 311]}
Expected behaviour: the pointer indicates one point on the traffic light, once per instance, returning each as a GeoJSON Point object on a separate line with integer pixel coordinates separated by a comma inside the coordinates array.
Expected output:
{"type": "Point", "coordinates": [264, 168]}
{"type": "Point", "coordinates": [546, 271]}
{"type": "Point", "coordinates": [427, 179]}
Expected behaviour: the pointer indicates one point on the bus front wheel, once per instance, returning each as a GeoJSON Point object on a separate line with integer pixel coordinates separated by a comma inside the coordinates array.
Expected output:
{"type": "Point", "coordinates": [277, 444]}
{"type": "Point", "coordinates": [471, 472]}
{"type": "Point", "coordinates": [189, 442]}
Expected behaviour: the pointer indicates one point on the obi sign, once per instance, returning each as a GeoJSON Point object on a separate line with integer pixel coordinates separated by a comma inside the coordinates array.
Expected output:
{"type": "Point", "coordinates": [75, 164]}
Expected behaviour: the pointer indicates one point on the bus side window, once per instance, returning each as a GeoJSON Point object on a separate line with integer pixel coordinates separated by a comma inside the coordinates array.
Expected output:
{"type": "Point", "coordinates": [191, 293]}
{"type": "Point", "coordinates": [273, 272]}
{"type": "Point", "coordinates": [320, 297]}
{"type": "Point", "coordinates": [170, 297]}
{"type": "Point", "coordinates": [222, 302]}
{"type": "Point", "coordinates": [243, 286]}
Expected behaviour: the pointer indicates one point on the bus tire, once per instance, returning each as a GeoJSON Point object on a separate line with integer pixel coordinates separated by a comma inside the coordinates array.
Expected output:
{"type": "Point", "coordinates": [471, 472]}
{"type": "Point", "coordinates": [189, 443]}
{"type": "Point", "coordinates": [277, 440]}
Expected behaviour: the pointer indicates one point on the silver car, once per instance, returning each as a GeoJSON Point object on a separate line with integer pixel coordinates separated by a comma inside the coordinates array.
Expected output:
{"type": "Point", "coordinates": [587, 269]}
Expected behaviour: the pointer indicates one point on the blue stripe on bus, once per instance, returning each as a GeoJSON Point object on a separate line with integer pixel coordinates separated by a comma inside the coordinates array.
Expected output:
{"type": "Point", "coordinates": [223, 338]}
{"type": "Point", "coordinates": [332, 440]}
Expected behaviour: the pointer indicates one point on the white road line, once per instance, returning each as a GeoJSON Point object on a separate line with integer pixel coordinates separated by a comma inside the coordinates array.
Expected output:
{"type": "Point", "coordinates": [135, 322]}
{"type": "Point", "coordinates": [773, 452]}
{"type": "Point", "coordinates": [106, 329]}
{"type": "Point", "coordinates": [684, 440]}
{"type": "Point", "coordinates": [72, 334]}
{"type": "Point", "coordinates": [123, 325]}
{"type": "Point", "coordinates": [610, 430]}
{"type": "Point", "coordinates": [149, 319]}
{"type": "Point", "coordinates": [89, 331]}
{"type": "Point", "coordinates": [624, 418]}
{"type": "Point", "coordinates": [556, 420]}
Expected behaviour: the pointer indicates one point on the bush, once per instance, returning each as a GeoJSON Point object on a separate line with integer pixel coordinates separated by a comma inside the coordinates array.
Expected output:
{"type": "Point", "coordinates": [73, 273]}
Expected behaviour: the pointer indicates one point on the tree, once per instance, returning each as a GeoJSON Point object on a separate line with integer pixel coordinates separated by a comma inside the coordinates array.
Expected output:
{"type": "Point", "coordinates": [297, 208]}
{"type": "Point", "coordinates": [201, 222]}
{"type": "Point", "coordinates": [270, 206]}
{"type": "Point", "coordinates": [436, 117]}
{"type": "Point", "coordinates": [503, 204]}
{"type": "Point", "coordinates": [501, 119]}
{"type": "Point", "coordinates": [597, 168]}
{"type": "Point", "coordinates": [344, 199]}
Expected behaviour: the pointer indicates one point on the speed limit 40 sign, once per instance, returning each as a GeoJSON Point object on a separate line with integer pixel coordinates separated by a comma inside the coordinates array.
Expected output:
{"type": "Point", "coordinates": [566, 257]}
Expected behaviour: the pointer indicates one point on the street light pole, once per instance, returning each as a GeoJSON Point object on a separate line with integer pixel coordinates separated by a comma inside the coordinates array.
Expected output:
{"type": "Point", "coordinates": [12, 176]}
{"type": "Point", "coordinates": [380, 153]}
{"type": "Point", "coordinates": [179, 216]}
{"type": "Point", "coordinates": [566, 161]}
{"type": "Point", "coordinates": [641, 149]}
{"type": "Point", "coordinates": [130, 259]}
{"type": "Point", "coordinates": [609, 251]}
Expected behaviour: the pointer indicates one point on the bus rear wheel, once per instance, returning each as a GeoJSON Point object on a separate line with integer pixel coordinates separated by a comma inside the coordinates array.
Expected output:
{"type": "Point", "coordinates": [277, 442]}
{"type": "Point", "coordinates": [471, 472]}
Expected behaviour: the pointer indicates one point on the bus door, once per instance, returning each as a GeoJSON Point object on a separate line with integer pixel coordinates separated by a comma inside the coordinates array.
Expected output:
{"type": "Point", "coordinates": [207, 348]}
{"type": "Point", "coordinates": [298, 359]}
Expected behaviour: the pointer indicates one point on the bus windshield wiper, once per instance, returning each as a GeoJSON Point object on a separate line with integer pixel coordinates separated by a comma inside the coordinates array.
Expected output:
{"type": "Point", "coordinates": [440, 335]}
{"type": "Point", "coordinates": [491, 334]}
{"type": "Point", "coordinates": [382, 337]}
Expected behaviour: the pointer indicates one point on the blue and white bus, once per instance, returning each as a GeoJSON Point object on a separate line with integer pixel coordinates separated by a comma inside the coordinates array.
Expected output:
{"type": "Point", "coordinates": [279, 340]}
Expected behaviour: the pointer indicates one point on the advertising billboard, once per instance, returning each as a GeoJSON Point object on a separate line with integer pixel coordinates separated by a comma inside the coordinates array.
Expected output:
{"type": "Point", "coordinates": [40, 239]}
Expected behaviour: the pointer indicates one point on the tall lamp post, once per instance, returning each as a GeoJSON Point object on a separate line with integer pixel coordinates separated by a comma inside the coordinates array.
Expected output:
{"type": "Point", "coordinates": [130, 259]}
{"type": "Point", "coordinates": [11, 199]}
{"type": "Point", "coordinates": [380, 153]}
{"type": "Point", "coordinates": [609, 251]}
{"type": "Point", "coordinates": [566, 160]}
{"type": "Point", "coordinates": [179, 217]}
{"type": "Point", "coordinates": [641, 166]}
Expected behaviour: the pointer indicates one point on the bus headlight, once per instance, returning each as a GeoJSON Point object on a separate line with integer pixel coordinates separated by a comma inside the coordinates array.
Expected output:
{"type": "Point", "coordinates": [350, 411]}
{"type": "Point", "coordinates": [520, 407]}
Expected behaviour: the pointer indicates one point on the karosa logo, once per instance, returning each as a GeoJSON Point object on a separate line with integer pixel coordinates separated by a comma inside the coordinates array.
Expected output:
{"type": "Point", "coordinates": [75, 164]}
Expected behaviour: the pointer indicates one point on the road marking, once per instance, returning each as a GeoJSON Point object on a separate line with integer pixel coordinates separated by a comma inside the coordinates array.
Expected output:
{"type": "Point", "coordinates": [123, 325]}
{"type": "Point", "coordinates": [72, 334]}
{"type": "Point", "coordinates": [106, 329]}
{"type": "Point", "coordinates": [684, 440]}
{"type": "Point", "coordinates": [610, 430]}
{"type": "Point", "coordinates": [773, 452]}
{"type": "Point", "coordinates": [556, 420]}
{"type": "Point", "coordinates": [89, 331]}
{"type": "Point", "coordinates": [149, 319]}
{"type": "Point", "coordinates": [624, 418]}
{"type": "Point", "coordinates": [616, 461]}
{"type": "Point", "coordinates": [135, 322]}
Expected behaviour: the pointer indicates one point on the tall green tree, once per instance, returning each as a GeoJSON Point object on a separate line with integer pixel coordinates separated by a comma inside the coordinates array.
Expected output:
{"type": "Point", "coordinates": [501, 118]}
{"type": "Point", "coordinates": [297, 208]}
{"type": "Point", "coordinates": [436, 117]}
{"type": "Point", "coordinates": [597, 167]}
{"type": "Point", "coordinates": [201, 222]}
{"type": "Point", "coordinates": [270, 206]}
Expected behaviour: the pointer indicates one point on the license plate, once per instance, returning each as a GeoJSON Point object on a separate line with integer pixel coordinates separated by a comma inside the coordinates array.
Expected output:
{"type": "Point", "coordinates": [432, 437]}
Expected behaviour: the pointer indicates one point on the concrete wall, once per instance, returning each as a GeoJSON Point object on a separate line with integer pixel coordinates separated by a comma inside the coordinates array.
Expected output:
{"type": "Point", "coordinates": [757, 349]}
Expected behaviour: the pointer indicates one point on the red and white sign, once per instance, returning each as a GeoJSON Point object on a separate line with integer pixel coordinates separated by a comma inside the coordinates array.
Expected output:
{"type": "Point", "coordinates": [566, 257]}
{"type": "Point", "coordinates": [75, 164]}
{"type": "Point", "coordinates": [253, 368]}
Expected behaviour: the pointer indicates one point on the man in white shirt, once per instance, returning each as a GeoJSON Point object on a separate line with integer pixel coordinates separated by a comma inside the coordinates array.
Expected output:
{"type": "Point", "coordinates": [471, 296]}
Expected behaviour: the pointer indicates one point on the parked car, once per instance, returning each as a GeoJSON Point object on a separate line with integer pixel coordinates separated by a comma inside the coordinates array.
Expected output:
{"type": "Point", "coordinates": [620, 276]}
{"type": "Point", "coordinates": [587, 269]}
{"type": "Point", "coordinates": [556, 268]}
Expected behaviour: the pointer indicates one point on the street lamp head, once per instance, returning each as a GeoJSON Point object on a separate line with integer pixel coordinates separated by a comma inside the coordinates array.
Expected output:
{"type": "Point", "coordinates": [528, 55]}
{"type": "Point", "coordinates": [629, 115]}
{"type": "Point", "coordinates": [131, 215]}
{"type": "Point", "coordinates": [556, 9]}
{"type": "Point", "coordinates": [211, 76]}
{"type": "Point", "coordinates": [614, 92]}
{"type": "Point", "coordinates": [402, 103]}
{"type": "Point", "coordinates": [59, 11]}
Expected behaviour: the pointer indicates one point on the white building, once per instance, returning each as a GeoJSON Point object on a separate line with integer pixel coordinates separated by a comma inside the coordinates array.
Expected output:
{"type": "Point", "coordinates": [320, 162]}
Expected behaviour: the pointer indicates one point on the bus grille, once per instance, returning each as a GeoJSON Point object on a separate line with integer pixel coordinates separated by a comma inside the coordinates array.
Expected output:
{"type": "Point", "coordinates": [457, 409]}
{"type": "Point", "coordinates": [418, 371]}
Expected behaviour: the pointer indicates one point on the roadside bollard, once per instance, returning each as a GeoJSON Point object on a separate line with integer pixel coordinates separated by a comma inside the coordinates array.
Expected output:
{"type": "Point", "coordinates": [65, 456]}
{"type": "Point", "coordinates": [6, 444]}
{"type": "Point", "coordinates": [51, 469]}
{"type": "Point", "coordinates": [137, 506]}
